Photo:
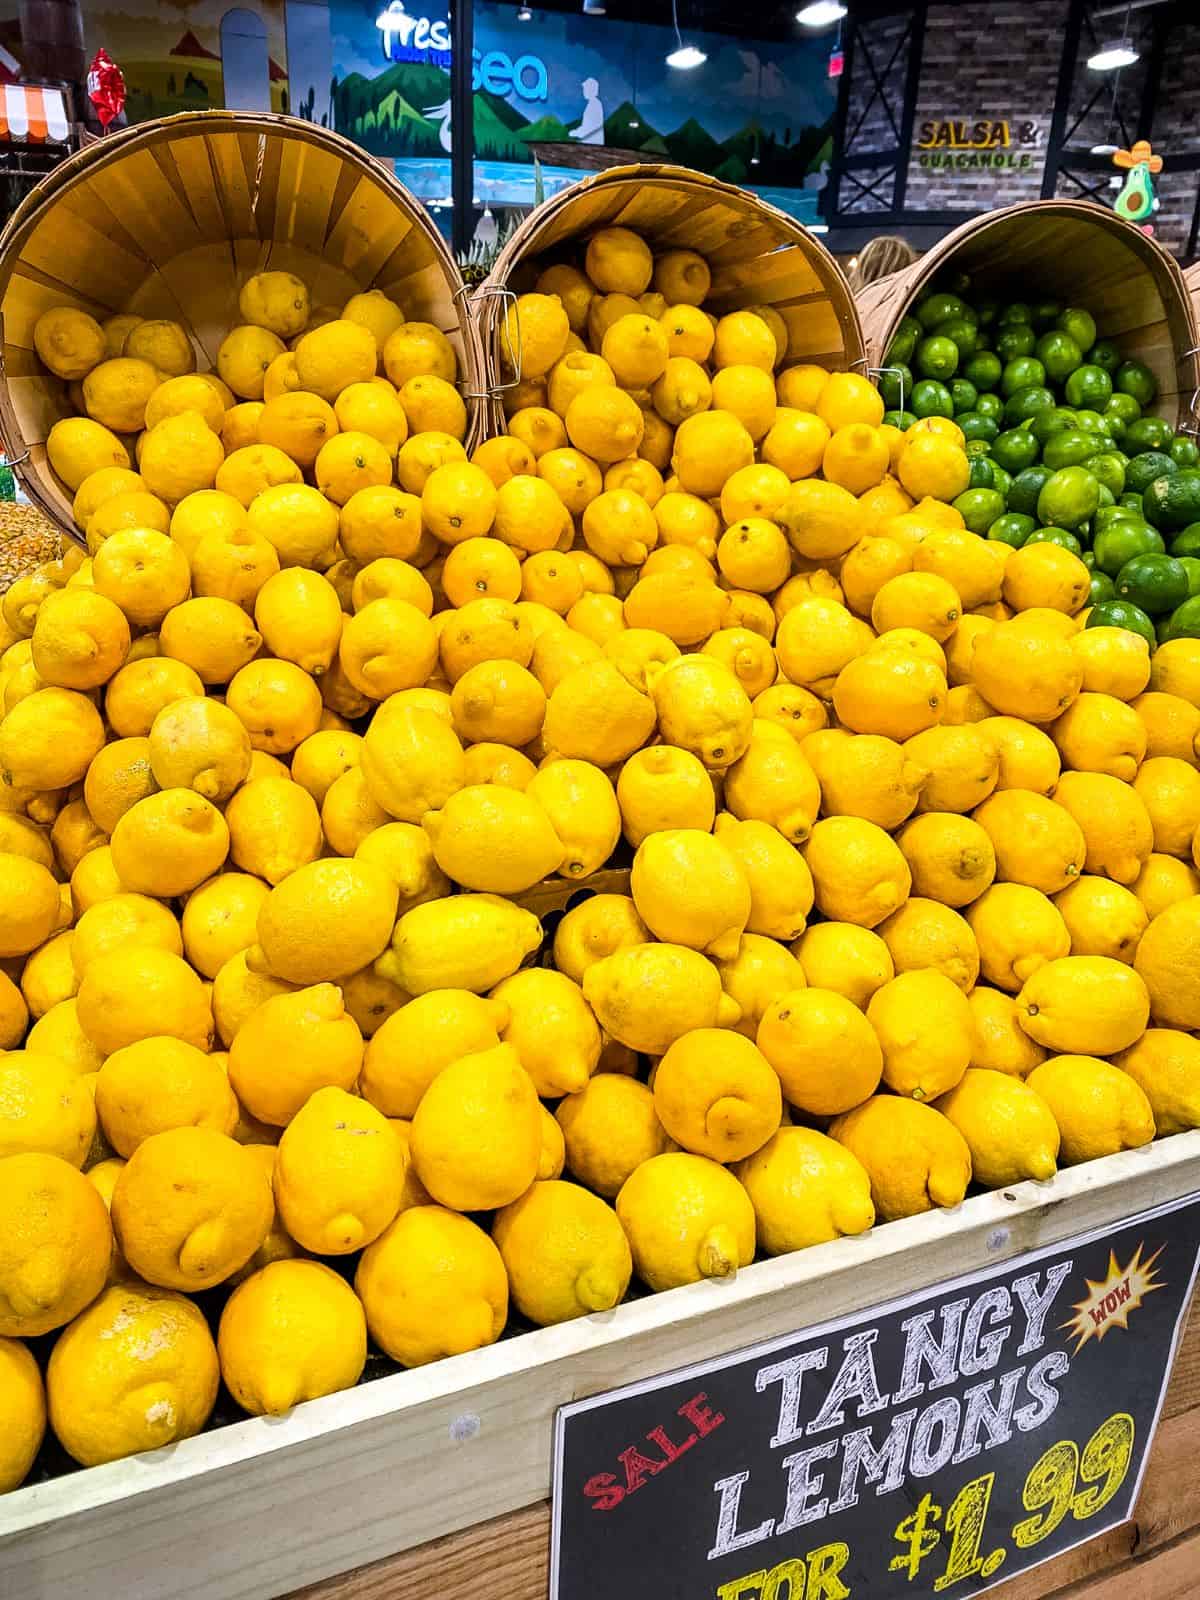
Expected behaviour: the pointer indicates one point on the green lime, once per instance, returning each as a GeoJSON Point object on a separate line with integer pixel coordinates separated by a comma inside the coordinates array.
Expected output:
{"type": "Point", "coordinates": [1172, 501]}
{"type": "Point", "coordinates": [1043, 312]}
{"type": "Point", "coordinates": [1044, 424]}
{"type": "Point", "coordinates": [900, 419]}
{"type": "Point", "coordinates": [1145, 467]}
{"type": "Point", "coordinates": [1116, 429]}
{"type": "Point", "coordinates": [1016, 311]}
{"type": "Point", "coordinates": [1080, 325]}
{"type": "Point", "coordinates": [1108, 515]}
{"type": "Point", "coordinates": [990, 405]}
{"type": "Point", "coordinates": [1148, 433]}
{"type": "Point", "coordinates": [983, 473]}
{"type": "Point", "coordinates": [936, 357]}
{"type": "Point", "coordinates": [964, 396]}
{"type": "Point", "coordinates": [1059, 536]}
{"type": "Point", "coordinates": [976, 426]}
{"type": "Point", "coordinates": [1013, 528]}
{"type": "Point", "coordinates": [1026, 486]}
{"type": "Point", "coordinates": [1121, 614]}
{"type": "Point", "coordinates": [1092, 422]}
{"type": "Point", "coordinates": [1068, 498]}
{"type": "Point", "coordinates": [983, 370]}
{"type": "Point", "coordinates": [895, 384]}
{"type": "Point", "coordinates": [987, 310]}
{"type": "Point", "coordinates": [1104, 353]}
{"type": "Point", "coordinates": [1070, 448]}
{"type": "Point", "coordinates": [1184, 621]}
{"type": "Point", "coordinates": [1101, 589]}
{"type": "Point", "coordinates": [1059, 354]}
{"type": "Point", "coordinates": [1122, 407]}
{"type": "Point", "coordinates": [1184, 452]}
{"type": "Point", "coordinates": [1121, 542]}
{"type": "Point", "coordinates": [1026, 404]}
{"type": "Point", "coordinates": [1015, 341]}
{"type": "Point", "coordinates": [1088, 386]}
{"type": "Point", "coordinates": [1001, 479]}
{"type": "Point", "coordinates": [979, 508]}
{"type": "Point", "coordinates": [1022, 372]}
{"type": "Point", "coordinates": [1015, 449]}
{"type": "Point", "coordinates": [1108, 467]}
{"type": "Point", "coordinates": [1187, 543]}
{"type": "Point", "coordinates": [1156, 583]}
{"type": "Point", "coordinates": [976, 447]}
{"type": "Point", "coordinates": [931, 399]}
{"type": "Point", "coordinates": [939, 308]}
{"type": "Point", "coordinates": [1131, 377]}
{"type": "Point", "coordinates": [1191, 565]}
{"type": "Point", "coordinates": [1107, 497]}
{"type": "Point", "coordinates": [963, 333]}
{"type": "Point", "coordinates": [904, 341]}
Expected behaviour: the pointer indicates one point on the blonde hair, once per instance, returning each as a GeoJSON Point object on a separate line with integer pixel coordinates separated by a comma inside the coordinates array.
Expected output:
{"type": "Point", "coordinates": [879, 257]}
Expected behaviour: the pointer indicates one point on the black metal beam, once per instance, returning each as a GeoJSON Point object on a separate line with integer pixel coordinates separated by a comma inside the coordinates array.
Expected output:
{"type": "Point", "coordinates": [462, 124]}
{"type": "Point", "coordinates": [912, 84]}
{"type": "Point", "coordinates": [1062, 97]}
{"type": "Point", "coordinates": [1160, 25]}
{"type": "Point", "coordinates": [831, 200]}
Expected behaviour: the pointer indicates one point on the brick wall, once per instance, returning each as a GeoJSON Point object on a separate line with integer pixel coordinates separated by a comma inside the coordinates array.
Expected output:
{"type": "Point", "coordinates": [986, 61]}
{"type": "Point", "coordinates": [1000, 61]}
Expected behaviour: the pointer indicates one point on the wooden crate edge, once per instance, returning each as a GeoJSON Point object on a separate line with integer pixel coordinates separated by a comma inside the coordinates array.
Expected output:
{"type": "Point", "coordinates": [411, 1458]}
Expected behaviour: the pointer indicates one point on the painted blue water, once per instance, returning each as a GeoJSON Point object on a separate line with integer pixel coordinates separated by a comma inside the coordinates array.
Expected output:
{"type": "Point", "coordinates": [510, 183]}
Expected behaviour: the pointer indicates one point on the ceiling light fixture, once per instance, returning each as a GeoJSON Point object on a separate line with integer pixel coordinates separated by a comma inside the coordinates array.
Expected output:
{"type": "Point", "coordinates": [524, 14]}
{"type": "Point", "coordinates": [684, 56]}
{"type": "Point", "coordinates": [1103, 150]}
{"type": "Point", "coordinates": [593, 8]}
{"type": "Point", "coordinates": [1113, 55]}
{"type": "Point", "coordinates": [820, 14]}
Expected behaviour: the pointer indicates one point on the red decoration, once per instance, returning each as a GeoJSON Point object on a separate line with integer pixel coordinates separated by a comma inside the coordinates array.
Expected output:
{"type": "Point", "coordinates": [106, 88]}
{"type": "Point", "coordinates": [837, 63]}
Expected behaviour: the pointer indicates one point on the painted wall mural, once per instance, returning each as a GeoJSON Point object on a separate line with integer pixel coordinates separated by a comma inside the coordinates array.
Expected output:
{"type": "Point", "coordinates": [755, 113]}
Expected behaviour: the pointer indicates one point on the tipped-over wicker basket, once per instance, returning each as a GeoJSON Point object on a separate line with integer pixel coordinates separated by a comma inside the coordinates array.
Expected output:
{"type": "Point", "coordinates": [758, 256]}
{"type": "Point", "coordinates": [1068, 250]}
{"type": "Point", "coordinates": [169, 219]}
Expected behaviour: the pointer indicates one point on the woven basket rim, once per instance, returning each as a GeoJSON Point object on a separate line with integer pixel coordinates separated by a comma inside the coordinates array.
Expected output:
{"type": "Point", "coordinates": [85, 163]}
{"type": "Point", "coordinates": [488, 298]}
{"type": "Point", "coordinates": [886, 301]}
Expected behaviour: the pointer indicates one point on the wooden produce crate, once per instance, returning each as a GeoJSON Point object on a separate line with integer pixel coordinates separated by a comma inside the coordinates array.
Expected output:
{"type": "Point", "coordinates": [758, 255]}
{"type": "Point", "coordinates": [266, 1506]}
{"type": "Point", "coordinates": [169, 219]}
{"type": "Point", "coordinates": [1068, 250]}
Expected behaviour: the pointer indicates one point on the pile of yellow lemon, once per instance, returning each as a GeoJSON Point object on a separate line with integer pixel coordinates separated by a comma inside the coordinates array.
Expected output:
{"type": "Point", "coordinates": [912, 898]}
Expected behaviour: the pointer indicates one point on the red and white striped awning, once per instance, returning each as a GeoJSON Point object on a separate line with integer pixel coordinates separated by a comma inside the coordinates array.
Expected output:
{"type": "Point", "coordinates": [31, 114]}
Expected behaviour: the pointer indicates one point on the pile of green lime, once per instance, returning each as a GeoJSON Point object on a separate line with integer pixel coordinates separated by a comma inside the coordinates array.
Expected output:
{"type": "Point", "coordinates": [1064, 447]}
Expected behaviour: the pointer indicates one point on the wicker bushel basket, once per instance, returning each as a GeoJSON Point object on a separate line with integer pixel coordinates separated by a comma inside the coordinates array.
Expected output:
{"type": "Point", "coordinates": [1191, 278]}
{"type": "Point", "coordinates": [1072, 251]}
{"type": "Point", "coordinates": [169, 219]}
{"type": "Point", "coordinates": [758, 256]}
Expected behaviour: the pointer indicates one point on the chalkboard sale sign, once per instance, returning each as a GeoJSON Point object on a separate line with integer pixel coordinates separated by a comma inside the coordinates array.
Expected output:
{"type": "Point", "coordinates": [939, 1444]}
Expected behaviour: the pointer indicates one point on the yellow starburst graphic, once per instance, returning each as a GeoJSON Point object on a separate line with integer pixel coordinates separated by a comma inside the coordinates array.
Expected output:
{"type": "Point", "coordinates": [1109, 1302]}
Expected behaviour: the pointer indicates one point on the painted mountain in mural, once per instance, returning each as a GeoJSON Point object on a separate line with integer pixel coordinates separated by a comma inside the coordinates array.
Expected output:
{"type": "Point", "coordinates": [406, 109]}
{"type": "Point", "coordinates": [628, 129]}
{"type": "Point", "coordinates": [693, 146]}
